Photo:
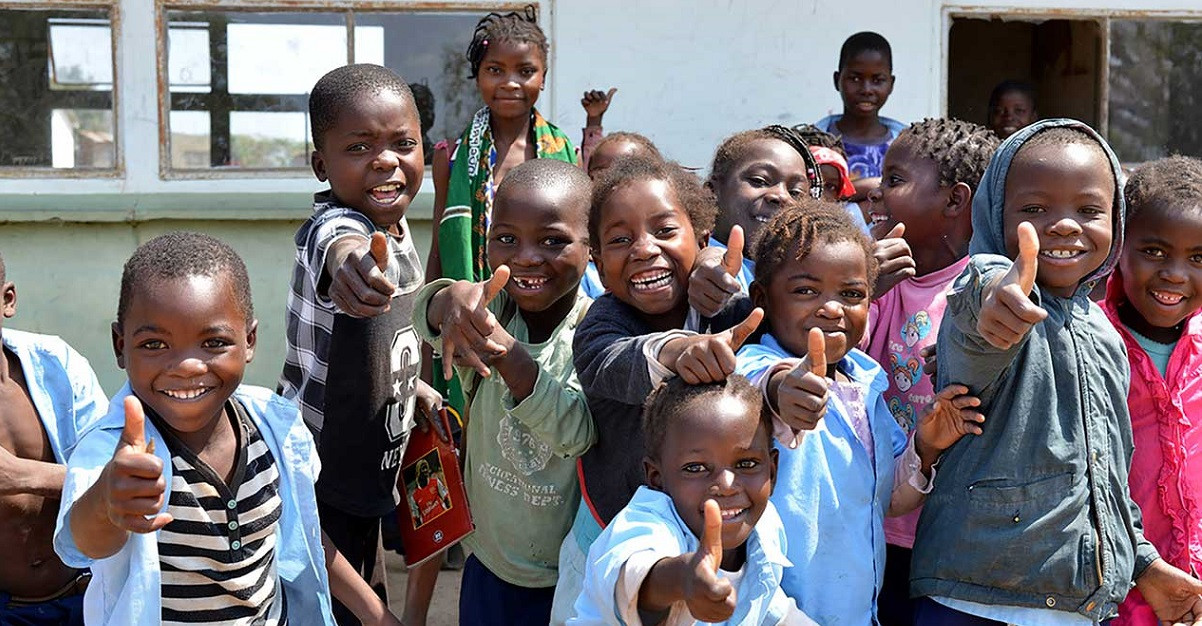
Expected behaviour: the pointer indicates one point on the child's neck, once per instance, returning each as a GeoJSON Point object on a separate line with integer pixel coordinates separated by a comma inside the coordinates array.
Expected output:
{"type": "Point", "coordinates": [505, 131]}
{"type": "Point", "coordinates": [734, 558]}
{"type": "Point", "coordinates": [672, 320]}
{"type": "Point", "coordinates": [933, 258]}
{"type": "Point", "coordinates": [1131, 318]}
{"type": "Point", "coordinates": [540, 325]}
{"type": "Point", "coordinates": [9, 364]}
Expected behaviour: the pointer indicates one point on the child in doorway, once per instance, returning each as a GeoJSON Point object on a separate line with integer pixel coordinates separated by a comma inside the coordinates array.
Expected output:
{"type": "Point", "coordinates": [192, 500]}
{"type": "Point", "coordinates": [647, 223]}
{"type": "Point", "coordinates": [528, 419]}
{"type": "Point", "coordinates": [48, 396]}
{"type": "Point", "coordinates": [352, 355]}
{"type": "Point", "coordinates": [930, 174]}
{"type": "Point", "coordinates": [1011, 107]}
{"type": "Point", "coordinates": [1032, 521]}
{"type": "Point", "coordinates": [864, 80]}
{"type": "Point", "coordinates": [845, 463]}
{"type": "Point", "coordinates": [1153, 300]}
{"type": "Point", "coordinates": [701, 541]}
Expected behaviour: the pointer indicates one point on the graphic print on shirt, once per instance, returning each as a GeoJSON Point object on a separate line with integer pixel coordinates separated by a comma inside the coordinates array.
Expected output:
{"type": "Point", "coordinates": [405, 359]}
{"type": "Point", "coordinates": [526, 456]}
{"type": "Point", "coordinates": [905, 370]}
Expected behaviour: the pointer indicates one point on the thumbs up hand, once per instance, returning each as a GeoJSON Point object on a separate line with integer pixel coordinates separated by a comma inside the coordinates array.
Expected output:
{"type": "Point", "coordinates": [709, 598]}
{"type": "Point", "coordinates": [894, 256]}
{"type": "Point", "coordinates": [801, 393]}
{"type": "Point", "coordinates": [357, 283]}
{"type": "Point", "coordinates": [1007, 312]}
{"type": "Point", "coordinates": [467, 327]}
{"type": "Point", "coordinates": [713, 281]}
{"type": "Point", "coordinates": [133, 487]}
{"type": "Point", "coordinates": [699, 359]}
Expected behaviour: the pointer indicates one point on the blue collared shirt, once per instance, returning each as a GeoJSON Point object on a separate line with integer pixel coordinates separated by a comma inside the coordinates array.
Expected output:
{"type": "Point", "coordinates": [746, 274]}
{"type": "Point", "coordinates": [831, 498]}
{"type": "Point", "coordinates": [126, 586]}
{"type": "Point", "coordinates": [62, 385]}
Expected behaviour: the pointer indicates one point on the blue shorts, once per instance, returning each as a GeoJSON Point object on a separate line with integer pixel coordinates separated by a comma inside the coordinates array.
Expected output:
{"type": "Point", "coordinates": [485, 599]}
{"type": "Point", "coordinates": [65, 610]}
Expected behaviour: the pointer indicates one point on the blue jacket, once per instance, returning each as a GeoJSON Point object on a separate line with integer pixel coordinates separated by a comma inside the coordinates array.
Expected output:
{"type": "Point", "coordinates": [831, 499]}
{"type": "Point", "coordinates": [1035, 511]}
{"type": "Point", "coordinates": [125, 587]}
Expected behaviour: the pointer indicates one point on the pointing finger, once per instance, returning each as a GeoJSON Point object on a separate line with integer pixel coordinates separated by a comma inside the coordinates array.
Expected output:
{"type": "Point", "coordinates": [740, 333]}
{"type": "Point", "coordinates": [732, 260]}
{"type": "Point", "coordinates": [379, 250]}
{"type": "Point", "coordinates": [495, 284]}
{"type": "Point", "coordinates": [816, 343]}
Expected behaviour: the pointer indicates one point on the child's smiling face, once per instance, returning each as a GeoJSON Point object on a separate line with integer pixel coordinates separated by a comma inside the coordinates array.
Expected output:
{"type": "Point", "coordinates": [768, 173]}
{"type": "Point", "coordinates": [720, 451]}
{"type": "Point", "coordinates": [542, 235]}
{"type": "Point", "coordinates": [647, 247]}
{"type": "Point", "coordinates": [826, 289]}
{"type": "Point", "coordinates": [1066, 191]}
{"type": "Point", "coordinates": [865, 82]}
{"type": "Point", "coordinates": [185, 344]}
{"type": "Point", "coordinates": [1013, 111]}
{"type": "Point", "coordinates": [372, 156]}
{"type": "Point", "coordinates": [1162, 269]}
{"type": "Point", "coordinates": [510, 77]}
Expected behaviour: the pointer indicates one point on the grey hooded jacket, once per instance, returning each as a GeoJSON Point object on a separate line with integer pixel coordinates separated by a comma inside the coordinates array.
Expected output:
{"type": "Point", "coordinates": [1036, 510]}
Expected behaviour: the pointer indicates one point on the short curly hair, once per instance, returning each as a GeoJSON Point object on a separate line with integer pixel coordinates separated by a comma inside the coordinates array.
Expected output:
{"type": "Point", "coordinates": [1171, 184]}
{"type": "Point", "coordinates": [180, 254]}
{"type": "Point", "coordinates": [671, 398]}
{"type": "Point", "coordinates": [697, 203]}
{"type": "Point", "coordinates": [648, 147]}
{"type": "Point", "coordinates": [735, 147]}
{"type": "Point", "coordinates": [961, 150]}
{"type": "Point", "coordinates": [350, 83]}
{"type": "Point", "coordinates": [803, 224]}
{"type": "Point", "coordinates": [511, 27]}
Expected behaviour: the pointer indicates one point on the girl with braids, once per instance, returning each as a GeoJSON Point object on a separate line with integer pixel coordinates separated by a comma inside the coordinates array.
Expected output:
{"type": "Point", "coordinates": [508, 60]}
{"type": "Point", "coordinates": [929, 176]}
{"type": "Point", "coordinates": [814, 276]}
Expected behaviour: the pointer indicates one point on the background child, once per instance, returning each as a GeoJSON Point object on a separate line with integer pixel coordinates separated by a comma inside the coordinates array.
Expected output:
{"type": "Point", "coordinates": [700, 542]}
{"type": "Point", "coordinates": [1011, 107]}
{"type": "Point", "coordinates": [1153, 300]}
{"type": "Point", "coordinates": [864, 80]}
{"type": "Point", "coordinates": [647, 222]}
{"type": "Point", "coordinates": [929, 176]}
{"type": "Point", "coordinates": [814, 277]}
{"type": "Point", "coordinates": [1031, 521]}
{"type": "Point", "coordinates": [529, 420]}
{"type": "Point", "coordinates": [595, 103]}
{"type": "Point", "coordinates": [48, 396]}
{"type": "Point", "coordinates": [213, 478]}
{"type": "Point", "coordinates": [352, 355]}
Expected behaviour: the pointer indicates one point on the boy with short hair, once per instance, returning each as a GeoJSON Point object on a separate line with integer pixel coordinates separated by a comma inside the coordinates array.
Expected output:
{"type": "Point", "coordinates": [48, 395]}
{"type": "Point", "coordinates": [214, 479]}
{"type": "Point", "coordinates": [353, 358]}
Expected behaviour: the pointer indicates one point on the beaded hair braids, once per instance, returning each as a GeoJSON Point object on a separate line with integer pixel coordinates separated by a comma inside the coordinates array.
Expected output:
{"type": "Point", "coordinates": [513, 27]}
{"type": "Point", "coordinates": [961, 150]}
{"type": "Point", "coordinates": [732, 149]}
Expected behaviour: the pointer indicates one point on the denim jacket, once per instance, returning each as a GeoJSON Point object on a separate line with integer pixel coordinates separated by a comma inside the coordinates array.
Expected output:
{"type": "Point", "coordinates": [126, 587]}
{"type": "Point", "coordinates": [1034, 512]}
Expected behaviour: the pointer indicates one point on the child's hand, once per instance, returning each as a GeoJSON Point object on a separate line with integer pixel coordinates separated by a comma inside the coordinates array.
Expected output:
{"type": "Point", "coordinates": [1175, 597]}
{"type": "Point", "coordinates": [711, 358]}
{"type": "Point", "coordinates": [930, 362]}
{"type": "Point", "coordinates": [466, 324]}
{"type": "Point", "coordinates": [132, 484]}
{"type": "Point", "coordinates": [358, 286]}
{"type": "Point", "coordinates": [802, 395]}
{"type": "Point", "coordinates": [712, 282]}
{"type": "Point", "coordinates": [709, 598]}
{"type": "Point", "coordinates": [429, 403]}
{"type": "Point", "coordinates": [894, 256]}
{"type": "Point", "coordinates": [1007, 313]}
{"type": "Point", "coordinates": [945, 421]}
{"type": "Point", "coordinates": [596, 103]}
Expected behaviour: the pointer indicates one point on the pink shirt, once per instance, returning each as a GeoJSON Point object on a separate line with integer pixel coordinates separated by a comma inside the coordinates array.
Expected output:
{"type": "Point", "coordinates": [1166, 469]}
{"type": "Point", "coordinates": [900, 324]}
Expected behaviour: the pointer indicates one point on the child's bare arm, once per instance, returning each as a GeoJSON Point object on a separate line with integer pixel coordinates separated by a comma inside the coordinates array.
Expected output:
{"type": "Point", "coordinates": [128, 495]}
{"type": "Point", "coordinates": [352, 591]}
{"type": "Point", "coordinates": [465, 325]}
{"type": "Point", "coordinates": [1007, 312]}
{"type": "Point", "coordinates": [27, 476]}
{"type": "Point", "coordinates": [692, 577]}
{"type": "Point", "coordinates": [700, 359]}
{"type": "Point", "coordinates": [712, 282]}
{"type": "Point", "coordinates": [356, 269]}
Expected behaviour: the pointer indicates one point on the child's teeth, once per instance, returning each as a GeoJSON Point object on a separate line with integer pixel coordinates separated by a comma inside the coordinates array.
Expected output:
{"type": "Point", "coordinates": [657, 279]}
{"type": "Point", "coordinates": [730, 513]}
{"type": "Point", "coordinates": [1059, 254]}
{"type": "Point", "coordinates": [1168, 298]}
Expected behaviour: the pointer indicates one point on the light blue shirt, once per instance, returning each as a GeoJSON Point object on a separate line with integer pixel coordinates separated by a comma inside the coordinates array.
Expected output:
{"type": "Point", "coordinates": [62, 386]}
{"type": "Point", "coordinates": [831, 498]}
{"type": "Point", "coordinates": [591, 282]}
{"type": "Point", "coordinates": [125, 588]}
{"type": "Point", "coordinates": [649, 523]}
{"type": "Point", "coordinates": [747, 274]}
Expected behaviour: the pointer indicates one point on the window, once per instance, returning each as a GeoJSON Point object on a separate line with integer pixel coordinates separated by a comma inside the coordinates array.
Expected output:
{"type": "Point", "coordinates": [239, 80]}
{"type": "Point", "coordinates": [56, 92]}
{"type": "Point", "coordinates": [1138, 81]}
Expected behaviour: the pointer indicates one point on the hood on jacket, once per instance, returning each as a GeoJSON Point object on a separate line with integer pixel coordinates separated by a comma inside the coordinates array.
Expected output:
{"type": "Point", "coordinates": [988, 236]}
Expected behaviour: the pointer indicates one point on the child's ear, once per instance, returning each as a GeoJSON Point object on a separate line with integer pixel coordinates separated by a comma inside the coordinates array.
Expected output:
{"type": "Point", "coordinates": [759, 295]}
{"type": "Point", "coordinates": [836, 79]}
{"type": "Point", "coordinates": [652, 475]}
{"type": "Point", "coordinates": [118, 345]}
{"type": "Point", "coordinates": [252, 336]}
{"type": "Point", "coordinates": [959, 200]}
{"type": "Point", "coordinates": [10, 299]}
{"type": "Point", "coordinates": [775, 454]}
{"type": "Point", "coordinates": [319, 165]}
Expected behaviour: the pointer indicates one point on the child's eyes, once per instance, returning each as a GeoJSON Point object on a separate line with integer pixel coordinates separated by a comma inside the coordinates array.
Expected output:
{"type": "Point", "coordinates": [798, 192]}
{"type": "Point", "coordinates": [694, 468]}
{"type": "Point", "coordinates": [507, 240]}
{"type": "Point", "coordinates": [529, 71]}
{"type": "Point", "coordinates": [854, 294]}
{"type": "Point", "coordinates": [666, 231]}
{"type": "Point", "coordinates": [1197, 258]}
{"type": "Point", "coordinates": [758, 181]}
{"type": "Point", "coordinates": [619, 240]}
{"type": "Point", "coordinates": [895, 180]}
{"type": "Point", "coordinates": [1092, 210]}
{"type": "Point", "coordinates": [805, 291]}
{"type": "Point", "coordinates": [356, 147]}
{"type": "Point", "coordinates": [554, 242]}
{"type": "Point", "coordinates": [153, 344]}
{"type": "Point", "coordinates": [493, 69]}
{"type": "Point", "coordinates": [1031, 209]}
{"type": "Point", "coordinates": [1155, 253]}
{"type": "Point", "coordinates": [216, 343]}
{"type": "Point", "coordinates": [747, 464]}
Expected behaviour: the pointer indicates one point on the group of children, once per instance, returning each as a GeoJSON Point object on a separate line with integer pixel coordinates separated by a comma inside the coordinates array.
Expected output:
{"type": "Point", "coordinates": [740, 400]}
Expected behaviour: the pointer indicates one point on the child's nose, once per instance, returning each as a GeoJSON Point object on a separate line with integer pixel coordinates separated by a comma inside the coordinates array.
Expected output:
{"type": "Point", "coordinates": [875, 195]}
{"type": "Point", "coordinates": [1065, 227]}
{"type": "Point", "coordinates": [1173, 272]}
{"type": "Point", "coordinates": [386, 160]}
{"type": "Point", "coordinates": [645, 247]}
{"type": "Point", "coordinates": [190, 366]}
{"type": "Point", "coordinates": [831, 309]}
{"type": "Point", "coordinates": [724, 483]}
{"type": "Point", "coordinates": [527, 256]}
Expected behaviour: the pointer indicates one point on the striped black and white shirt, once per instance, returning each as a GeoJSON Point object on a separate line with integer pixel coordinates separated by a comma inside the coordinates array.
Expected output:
{"type": "Point", "coordinates": [217, 556]}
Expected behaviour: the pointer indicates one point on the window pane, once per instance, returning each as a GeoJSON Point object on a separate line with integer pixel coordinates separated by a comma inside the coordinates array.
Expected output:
{"type": "Point", "coordinates": [248, 75]}
{"type": "Point", "coordinates": [56, 89]}
{"type": "Point", "coordinates": [426, 49]}
{"type": "Point", "coordinates": [1155, 89]}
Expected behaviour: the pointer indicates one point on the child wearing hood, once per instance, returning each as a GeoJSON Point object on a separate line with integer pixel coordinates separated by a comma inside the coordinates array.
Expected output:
{"type": "Point", "coordinates": [1032, 521]}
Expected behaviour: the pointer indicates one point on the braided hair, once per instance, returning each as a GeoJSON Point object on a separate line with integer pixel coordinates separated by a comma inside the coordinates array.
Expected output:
{"type": "Point", "coordinates": [1172, 184]}
{"type": "Point", "coordinates": [814, 136]}
{"type": "Point", "coordinates": [512, 27]}
{"type": "Point", "coordinates": [961, 150]}
{"type": "Point", "coordinates": [803, 224]}
{"type": "Point", "coordinates": [735, 147]}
